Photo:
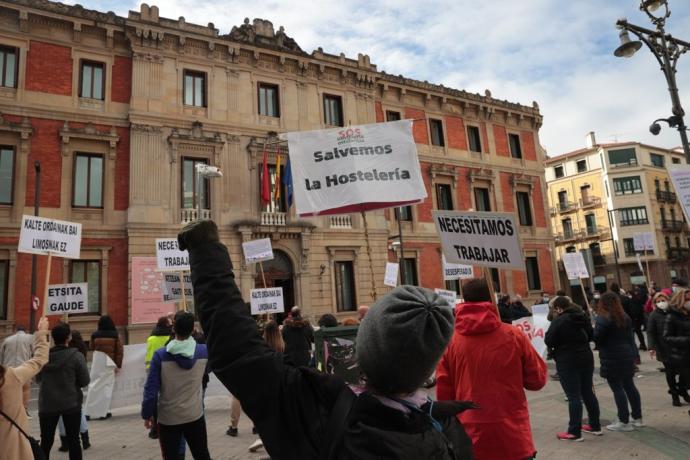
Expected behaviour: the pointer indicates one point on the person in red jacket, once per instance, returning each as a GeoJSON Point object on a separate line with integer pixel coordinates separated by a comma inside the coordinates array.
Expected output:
{"type": "Point", "coordinates": [491, 363]}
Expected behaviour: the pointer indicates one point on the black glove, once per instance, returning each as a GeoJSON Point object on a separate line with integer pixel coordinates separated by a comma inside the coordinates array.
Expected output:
{"type": "Point", "coordinates": [198, 233]}
{"type": "Point", "coordinates": [445, 409]}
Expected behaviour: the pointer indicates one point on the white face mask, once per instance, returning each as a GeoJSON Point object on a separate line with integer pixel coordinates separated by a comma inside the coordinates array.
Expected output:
{"type": "Point", "coordinates": [597, 297]}
{"type": "Point", "coordinates": [662, 304]}
{"type": "Point", "coordinates": [674, 289]}
{"type": "Point", "coordinates": [686, 305]}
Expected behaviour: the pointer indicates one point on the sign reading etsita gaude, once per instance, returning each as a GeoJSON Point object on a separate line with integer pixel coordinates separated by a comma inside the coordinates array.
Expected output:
{"type": "Point", "coordinates": [269, 300]}
{"type": "Point", "coordinates": [169, 257]}
{"type": "Point", "coordinates": [40, 235]}
{"type": "Point", "coordinates": [485, 239]}
{"type": "Point", "coordinates": [67, 298]}
{"type": "Point", "coordinates": [357, 168]}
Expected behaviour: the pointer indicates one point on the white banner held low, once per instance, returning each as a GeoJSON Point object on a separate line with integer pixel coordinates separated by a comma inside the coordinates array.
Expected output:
{"type": "Point", "coordinates": [68, 298]}
{"type": "Point", "coordinates": [485, 239]}
{"type": "Point", "coordinates": [356, 168]}
{"type": "Point", "coordinates": [269, 300]}
{"type": "Point", "coordinates": [172, 287]}
{"type": "Point", "coordinates": [680, 176]}
{"type": "Point", "coordinates": [575, 265]}
{"type": "Point", "coordinates": [40, 235]}
{"type": "Point", "coordinates": [453, 272]}
{"type": "Point", "coordinates": [391, 276]}
{"type": "Point", "coordinates": [169, 257]}
{"type": "Point", "coordinates": [257, 250]}
{"type": "Point", "coordinates": [643, 241]}
{"type": "Point", "coordinates": [448, 296]}
{"type": "Point", "coordinates": [535, 327]}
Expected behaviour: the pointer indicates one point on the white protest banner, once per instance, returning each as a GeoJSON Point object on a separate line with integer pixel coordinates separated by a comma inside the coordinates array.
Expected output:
{"type": "Point", "coordinates": [67, 298]}
{"type": "Point", "coordinates": [456, 271]}
{"type": "Point", "coordinates": [643, 241]}
{"type": "Point", "coordinates": [391, 276]}
{"type": "Point", "coordinates": [257, 250]}
{"type": "Point", "coordinates": [680, 176]}
{"type": "Point", "coordinates": [268, 300]}
{"type": "Point", "coordinates": [356, 168]}
{"type": "Point", "coordinates": [575, 265]}
{"type": "Point", "coordinates": [172, 287]}
{"type": "Point", "coordinates": [40, 235]}
{"type": "Point", "coordinates": [169, 257]}
{"type": "Point", "coordinates": [484, 239]}
{"type": "Point", "coordinates": [535, 327]}
{"type": "Point", "coordinates": [448, 296]}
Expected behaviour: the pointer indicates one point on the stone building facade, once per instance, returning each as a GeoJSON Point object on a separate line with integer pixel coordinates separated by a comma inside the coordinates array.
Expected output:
{"type": "Point", "coordinates": [173, 94]}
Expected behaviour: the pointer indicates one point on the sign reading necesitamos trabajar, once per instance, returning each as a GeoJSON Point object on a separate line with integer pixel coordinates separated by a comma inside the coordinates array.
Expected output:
{"type": "Point", "coordinates": [169, 257]}
{"type": "Point", "coordinates": [67, 298]}
{"type": "Point", "coordinates": [269, 300]}
{"type": "Point", "coordinates": [356, 168]}
{"type": "Point", "coordinates": [485, 239]}
{"type": "Point", "coordinates": [40, 235]}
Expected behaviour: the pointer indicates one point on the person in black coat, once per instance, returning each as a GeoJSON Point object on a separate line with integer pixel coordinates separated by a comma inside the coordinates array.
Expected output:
{"type": "Point", "coordinates": [568, 337]}
{"type": "Point", "coordinates": [298, 336]}
{"type": "Point", "coordinates": [303, 414]}
{"type": "Point", "coordinates": [677, 337]}
{"type": "Point", "coordinates": [617, 353]}
{"type": "Point", "coordinates": [518, 309]}
{"type": "Point", "coordinates": [504, 309]}
{"type": "Point", "coordinates": [637, 302]}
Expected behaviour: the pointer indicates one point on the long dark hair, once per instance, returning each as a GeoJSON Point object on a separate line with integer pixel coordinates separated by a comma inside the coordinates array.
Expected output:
{"type": "Point", "coordinates": [78, 343]}
{"type": "Point", "coordinates": [273, 337]}
{"type": "Point", "coordinates": [610, 307]}
{"type": "Point", "coordinates": [105, 323]}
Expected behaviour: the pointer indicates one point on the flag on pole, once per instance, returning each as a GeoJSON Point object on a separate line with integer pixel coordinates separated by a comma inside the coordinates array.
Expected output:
{"type": "Point", "coordinates": [265, 181]}
{"type": "Point", "coordinates": [276, 192]}
{"type": "Point", "coordinates": [287, 183]}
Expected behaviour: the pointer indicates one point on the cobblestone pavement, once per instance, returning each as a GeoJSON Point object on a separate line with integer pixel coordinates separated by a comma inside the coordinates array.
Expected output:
{"type": "Point", "coordinates": [667, 435]}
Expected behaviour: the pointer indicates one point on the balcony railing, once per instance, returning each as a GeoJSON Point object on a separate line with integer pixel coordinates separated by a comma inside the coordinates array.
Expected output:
{"type": "Point", "coordinates": [627, 164]}
{"type": "Point", "coordinates": [569, 236]}
{"type": "Point", "coordinates": [590, 202]}
{"type": "Point", "coordinates": [598, 232]}
{"type": "Point", "coordinates": [343, 221]}
{"type": "Point", "coordinates": [273, 218]}
{"type": "Point", "coordinates": [188, 215]}
{"type": "Point", "coordinates": [665, 197]}
{"type": "Point", "coordinates": [598, 260]}
{"type": "Point", "coordinates": [566, 206]}
{"type": "Point", "coordinates": [678, 254]}
{"type": "Point", "coordinates": [672, 225]}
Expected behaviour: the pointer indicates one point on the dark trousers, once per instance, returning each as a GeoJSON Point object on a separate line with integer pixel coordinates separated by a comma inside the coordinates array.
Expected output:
{"type": "Point", "coordinates": [624, 391]}
{"type": "Point", "coordinates": [579, 388]}
{"type": "Point", "coordinates": [640, 335]}
{"type": "Point", "coordinates": [674, 385]}
{"type": "Point", "coordinates": [194, 433]}
{"type": "Point", "coordinates": [49, 424]}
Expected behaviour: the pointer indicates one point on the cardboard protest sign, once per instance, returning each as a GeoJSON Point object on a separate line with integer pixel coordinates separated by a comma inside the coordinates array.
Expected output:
{"type": "Point", "coordinates": [357, 168]}
{"type": "Point", "coordinates": [484, 239]}
{"type": "Point", "coordinates": [257, 250]}
{"type": "Point", "coordinates": [147, 292]}
{"type": "Point", "coordinates": [40, 235]}
{"type": "Point", "coordinates": [67, 298]}
{"type": "Point", "coordinates": [169, 257]}
{"type": "Point", "coordinates": [643, 241]}
{"type": "Point", "coordinates": [453, 272]}
{"type": "Point", "coordinates": [680, 176]}
{"type": "Point", "coordinates": [535, 327]}
{"type": "Point", "coordinates": [268, 300]}
{"type": "Point", "coordinates": [574, 265]}
{"type": "Point", "coordinates": [172, 287]}
{"type": "Point", "coordinates": [391, 276]}
{"type": "Point", "coordinates": [448, 296]}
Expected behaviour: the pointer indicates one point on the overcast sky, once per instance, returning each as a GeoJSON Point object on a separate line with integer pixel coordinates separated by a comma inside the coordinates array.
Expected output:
{"type": "Point", "coordinates": [555, 52]}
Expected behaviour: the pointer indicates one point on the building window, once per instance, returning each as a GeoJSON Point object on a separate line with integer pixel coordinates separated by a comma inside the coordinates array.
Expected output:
{"type": "Point", "coordinates": [515, 148]}
{"type": "Point", "coordinates": [524, 209]}
{"type": "Point", "coordinates": [436, 128]}
{"type": "Point", "coordinates": [404, 213]}
{"type": "Point", "coordinates": [629, 185]}
{"type": "Point", "coordinates": [278, 198]}
{"type": "Point", "coordinates": [345, 295]}
{"type": "Point", "coordinates": [675, 161]}
{"type": "Point", "coordinates": [410, 269]}
{"type": "Point", "coordinates": [6, 174]}
{"type": "Point", "coordinates": [482, 199]}
{"type": "Point", "coordinates": [662, 212]}
{"type": "Point", "coordinates": [474, 139]}
{"type": "Point", "coordinates": [667, 243]}
{"type": "Point", "coordinates": [8, 67]}
{"type": "Point", "coordinates": [92, 80]}
{"type": "Point", "coordinates": [591, 223]}
{"type": "Point", "coordinates": [333, 110]}
{"type": "Point", "coordinates": [496, 278]}
{"type": "Point", "coordinates": [628, 247]}
{"type": "Point", "coordinates": [657, 160]}
{"type": "Point", "coordinates": [269, 105]}
{"type": "Point", "coordinates": [392, 115]}
{"type": "Point", "coordinates": [194, 88]}
{"type": "Point", "coordinates": [444, 197]}
{"type": "Point", "coordinates": [533, 280]}
{"type": "Point", "coordinates": [622, 157]}
{"type": "Point", "coordinates": [88, 181]}
{"type": "Point", "coordinates": [88, 271]}
{"type": "Point", "coordinates": [570, 249]}
{"type": "Point", "coordinates": [633, 216]}
{"type": "Point", "coordinates": [657, 185]}
{"type": "Point", "coordinates": [189, 185]}
{"type": "Point", "coordinates": [559, 171]}
{"type": "Point", "coordinates": [567, 227]}
{"type": "Point", "coordinates": [581, 166]}
{"type": "Point", "coordinates": [4, 285]}
{"type": "Point", "coordinates": [453, 285]}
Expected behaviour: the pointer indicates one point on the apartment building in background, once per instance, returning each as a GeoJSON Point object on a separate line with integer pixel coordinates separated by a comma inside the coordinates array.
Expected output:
{"type": "Point", "coordinates": [120, 110]}
{"type": "Point", "coordinates": [604, 194]}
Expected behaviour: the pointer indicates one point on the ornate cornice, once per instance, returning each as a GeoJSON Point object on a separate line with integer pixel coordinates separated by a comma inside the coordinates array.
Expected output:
{"type": "Point", "coordinates": [76, 11]}
{"type": "Point", "coordinates": [89, 132]}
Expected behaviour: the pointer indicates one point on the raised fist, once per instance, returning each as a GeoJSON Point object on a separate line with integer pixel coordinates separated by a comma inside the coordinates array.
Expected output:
{"type": "Point", "coordinates": [198, 233]}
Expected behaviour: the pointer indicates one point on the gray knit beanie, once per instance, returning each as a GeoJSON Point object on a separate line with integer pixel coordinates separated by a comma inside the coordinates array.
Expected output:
{"type": "Point", "coordinates": [402, 338]}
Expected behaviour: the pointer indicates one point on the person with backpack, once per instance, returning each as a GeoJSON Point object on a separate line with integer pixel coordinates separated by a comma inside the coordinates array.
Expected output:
{"type": "Point", "coordinates": [303, 414]}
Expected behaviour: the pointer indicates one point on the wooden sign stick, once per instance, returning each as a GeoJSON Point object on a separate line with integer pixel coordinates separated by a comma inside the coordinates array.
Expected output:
{"type": "Point", "coordinates": [263, 277]}
{"type": "Point", "coordinates": [45, 286]}
{"type": "Point", "coordinates": [184, 296]}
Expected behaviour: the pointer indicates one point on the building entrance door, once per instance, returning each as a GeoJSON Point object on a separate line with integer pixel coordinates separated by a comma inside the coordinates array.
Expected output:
{"type": "Point", "coordinates": [278, 273]}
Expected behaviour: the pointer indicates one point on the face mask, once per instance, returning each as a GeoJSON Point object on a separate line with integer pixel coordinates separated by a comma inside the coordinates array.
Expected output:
{"type": "Point", "coordinates": [545, 299]}
{"type": "Point", "coordinates": [686, 305]}
{"type": "Point", "coordinates": [674, 289]}
{"type": "Point", "coordinates": [662, 304]}
{"type": "Point", "coordinates": [597, 297]}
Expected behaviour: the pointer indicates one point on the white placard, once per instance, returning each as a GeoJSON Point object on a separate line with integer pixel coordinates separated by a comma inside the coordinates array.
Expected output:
{"type": "Point", "coordinates": [257, 250]}
{"type": "Point", "coordinates": [483, 239]}
{"type": "Point", "coordinates": [535, 327]}
{"type": "Point", "coordinates": [639, 262]}
{"type": "Point", "coordinates": [643, 241]}
{"type": "Point", "coordinates": [68, 298]}
{"type": "Point", "coordinates": [453, 272]}
{"type": "Point", "coordinates": [169, 257]}
{"type": "Point", "coordinates": [355, 168]}
{"type": "Point", "coordinates": [269, 300]}
{"type": "Point", "coordinates": [680, 176]}
{"type": "Point", "coordinates": [172, 287]}
{"type": "Point", "coordinates": [40, 235]}
{"type": "Point", "coordinates": [391, 276]}
{"type": "Point", "coordinates": [448, 296]}
{"type": "Point", "coordinates": [575, 265]}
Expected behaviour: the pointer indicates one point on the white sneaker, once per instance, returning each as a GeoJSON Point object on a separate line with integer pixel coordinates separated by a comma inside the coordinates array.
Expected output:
{"type": "Point", "coordinates": [638, 423]}
{"type": "Point", "coordinates": [258, 444]}
{"type": "Point", "coordinates": [620, 426]}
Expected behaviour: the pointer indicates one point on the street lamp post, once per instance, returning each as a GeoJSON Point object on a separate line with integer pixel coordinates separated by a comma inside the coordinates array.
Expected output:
{"type": "Point", "coordinates": [203, 171]}
{"type": "Point", "coordinates": [615, 244]}
{"type": "Point", "coordinates": [666, 49]}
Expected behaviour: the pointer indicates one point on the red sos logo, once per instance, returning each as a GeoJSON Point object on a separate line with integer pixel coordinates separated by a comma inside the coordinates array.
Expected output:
{"type": "Point", "coordinates": [350, 134]}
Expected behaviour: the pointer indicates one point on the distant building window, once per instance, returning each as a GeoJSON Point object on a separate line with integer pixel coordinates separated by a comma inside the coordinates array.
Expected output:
{"type": "Point", "coordinates": [567, 227]}
{"type": "Point", "coordinates": [628, 185]}
{"type": "Point", "coordinates": [482, 199]}
{"type": "Point", "coordinates": [474, 139]}
{"type": "Point", "coordinates": [444, 197]}
{"type": "Point", "coordinates": [524, 208]}
{"type": "Point", "coordinates": [194, 88]}
{"type": "Point", "coordinates": [675, 161]}
{"type": "Point", "coordinates": [657, 160]}
{"type": "Point", "coordinates": [633, 216]}
{"type": "Point", "coordinates": [622, 157]}
{"type": "Point", "coordinates": [92, 80]}
{"type": "Point", "coordinates": [392, 115]}
{"type": "Point", "coordinates": [515, 148]}
{"type": "Point", "coordinates": [88, 181]}
{"type": "Point", "coordinates": [453, 285]}
{"type": "Point", "coordinates": [559, 171]}
{"type": "Point", "coordinates": [533, 280]}
{"type": "Point", "coordinates": [628, 247]}
{"type": "Point", "coordinates": [8, 67]}
{"type": "Point", "coordinates": [345, 295]}
{"type": "Point", "coordinates": [6, 174]}
{"type": "Point", "coordinates": [591, 223]}
{"type": "Point", "coordinates": [269, 105]}
{"type": "Point", "coordinates": [436, 128]}
{"type": "Point", "coordinates": [278, 199]}
{"type": "Point", "coordinates": [189, 186]}
{"type": "Point", "coordinates": [581, 166]}
{"type": "Point", "coordinates": [496, 278]}
{"type": "Point", "coordinates": [410, 269]}
{"type": "Point", "coordinates": [88, 271]}
{"type": "Point", "coordinates": [404, 213]}
{"type": "Point", "coordinates": [332, 110]}
{"type": "Point", "coordinates": [4, 285]}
